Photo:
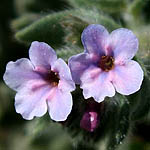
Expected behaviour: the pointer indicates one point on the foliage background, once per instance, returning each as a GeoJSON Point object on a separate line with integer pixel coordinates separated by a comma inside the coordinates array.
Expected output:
{"type": "Point", "coordinates": [60, 23]}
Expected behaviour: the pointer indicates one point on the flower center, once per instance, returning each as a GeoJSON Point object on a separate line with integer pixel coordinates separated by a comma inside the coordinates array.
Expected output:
{"type": "Point", "coordinates": [53, 78]}
{"type": "Point", "coordinates": [106, 63]}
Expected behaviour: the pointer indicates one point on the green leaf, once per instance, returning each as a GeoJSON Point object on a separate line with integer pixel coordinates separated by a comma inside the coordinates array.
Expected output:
{"type": "Point", "coordinates": [119, 120]}
{"type": "Point", "coordinates": [66, 52]}
{"type": "Point", "coordinates": [63, 27]}
{"type": "Point", "coordinates": [114, 121]}
{"type": "Point", "coordinates": [47, 29]}
{"type": "Point", "coordinates": [38, 6]}
{"type": "Point", "coordinates": [108, 6]}
{"type": "Point", "coordinates": [80, 19]}
{"type": "Point", "coordinates": [142, 99]}
{"type": "Point", "coordinates": [6, 102]}
{"type": "Point", "coordinates": [143, 33]}
{"type": "Point", "coordinates": [139, 9]}
{"type": "Point", "coordinates": [139, 101]}
{"type": "Point", "coordinates": [24, 21]}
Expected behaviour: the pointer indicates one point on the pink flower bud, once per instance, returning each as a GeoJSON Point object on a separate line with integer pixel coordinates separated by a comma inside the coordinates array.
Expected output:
{"type": "Point", "coordinates": [90, 121]}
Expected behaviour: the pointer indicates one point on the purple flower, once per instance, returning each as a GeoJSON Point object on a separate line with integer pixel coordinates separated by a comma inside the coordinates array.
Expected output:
{"type": "Point", "coordinates": [106, 65]}
{"type": "Point", "coordinates": [43, 82]}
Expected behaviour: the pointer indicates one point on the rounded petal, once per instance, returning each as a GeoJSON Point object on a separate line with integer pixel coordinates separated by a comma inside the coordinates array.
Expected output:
{"type": "Point", "coordinates": [41, 54]}
{"type": "Point", "coordinates": [94, 38]}
{"type": "Point", "coordinates": [66, 83]}
{"type": "Point", "coordinates": [96, 84]}
{"type": "Point", "coordinates": [30, 101]}
{"type": "Point", "coordinates": [59, 105]}
{"type": "Point", "coordinates": [62, 68]}
{"type": "Point", "coordinates": [127, 78]}
{"type": "Point", "coordinates": [124, 44]}
{"type": "Point", "coordinates": [18, 73]}
{"type": "Point", "coordinates": [78, 64]}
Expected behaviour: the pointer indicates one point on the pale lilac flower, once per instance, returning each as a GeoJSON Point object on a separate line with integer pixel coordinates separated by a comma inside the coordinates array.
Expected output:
{"type": "Point", "coordinates": [106, 65]}
{"type": "Point", "coordinates": [42, 83]}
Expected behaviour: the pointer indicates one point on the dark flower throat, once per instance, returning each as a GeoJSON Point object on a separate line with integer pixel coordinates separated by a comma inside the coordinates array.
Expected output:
{"type": "Point", "coordinates": [106, 63]}
{"type": "Point", "coordinates": [53, 78]}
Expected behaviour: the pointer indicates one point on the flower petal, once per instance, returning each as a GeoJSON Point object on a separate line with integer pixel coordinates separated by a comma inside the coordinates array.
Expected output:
{"type": "Point", "coordinates": [93, 39]}
{"type": "Point", "coordinates": [96, 84]}
{"type": "Point", "coordinates": [62, 68]}
{"type": "Point", "coordinates": [66, 83]}
{"type": "Point", "coordinates": [41, 54]}
{"type": "Point", "coordinates": [30, 101]}
{"type": "Point", "coordinates": [18, 73]}
{"type": "Point", "coordinates": [127, 78]}
{"type": "Point", "coordinates": [78, 64]}
{"type": "Point", "coordinates": [124, 44]}
{"type": "Point", "coordinates": [59, 105]}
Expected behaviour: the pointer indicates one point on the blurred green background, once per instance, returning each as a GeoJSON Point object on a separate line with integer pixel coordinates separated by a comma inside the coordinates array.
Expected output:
{"type": "Point", "coordinates": [60, 23]}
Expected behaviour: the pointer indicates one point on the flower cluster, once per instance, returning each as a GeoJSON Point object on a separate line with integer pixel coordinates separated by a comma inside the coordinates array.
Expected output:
{"type": "Point", "coordinates": [45, 82]}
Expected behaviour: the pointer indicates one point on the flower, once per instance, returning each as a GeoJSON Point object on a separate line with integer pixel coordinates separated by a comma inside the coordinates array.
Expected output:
{"type": "Point", "coordinates": [42, 83]}
{"type": "Point", "coordinates": [106, 65]}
